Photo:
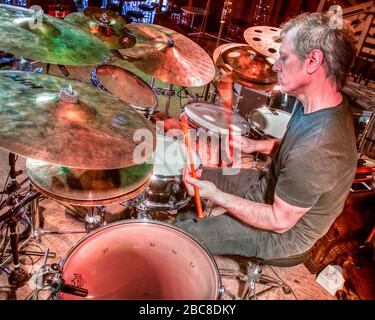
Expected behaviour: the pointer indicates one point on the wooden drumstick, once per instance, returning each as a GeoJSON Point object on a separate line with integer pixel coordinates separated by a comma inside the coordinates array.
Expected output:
{"type": "Point", "coordinates": [187, 140]}
{"type": "Point", "coordinates": [225, 88]}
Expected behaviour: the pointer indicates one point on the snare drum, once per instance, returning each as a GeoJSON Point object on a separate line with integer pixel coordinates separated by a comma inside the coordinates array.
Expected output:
{"type": "Point", "coordinates": [211, 122]}
{"type": "Point", "coordinates": [137, 259]}
{"type": "Point", "coordinates": [167, 191]}
{"type": "Point", "coordinates": [268, 123]}
{"type": "Point", "coordinates": [126, 86]}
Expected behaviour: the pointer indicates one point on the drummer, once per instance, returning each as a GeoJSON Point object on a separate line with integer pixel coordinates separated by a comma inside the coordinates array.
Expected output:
{"type": "Point", "coordinates": [284, 211]}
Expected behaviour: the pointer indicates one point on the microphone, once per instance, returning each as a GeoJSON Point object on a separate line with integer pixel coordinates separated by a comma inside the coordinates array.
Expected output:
{"type": "Point", "coordinates": [73, 290]}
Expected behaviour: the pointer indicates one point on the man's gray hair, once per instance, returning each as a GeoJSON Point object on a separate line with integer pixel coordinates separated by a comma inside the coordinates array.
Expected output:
{"type": "Point", "coordinates": [317, 31]}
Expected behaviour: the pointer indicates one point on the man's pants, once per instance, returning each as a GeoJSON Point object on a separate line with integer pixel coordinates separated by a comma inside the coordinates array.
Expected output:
{"type": "Point", "coordinates": [225, 235]}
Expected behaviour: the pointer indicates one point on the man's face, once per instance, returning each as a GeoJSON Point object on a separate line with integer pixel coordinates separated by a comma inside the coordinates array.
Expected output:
{"type": "Point", "coordinates": [291, 72]}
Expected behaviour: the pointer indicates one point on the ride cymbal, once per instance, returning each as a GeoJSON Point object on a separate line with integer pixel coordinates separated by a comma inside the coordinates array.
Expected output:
{"type": "Point", "coordinates": [38, 37]}
{"type": "Point", "coordinates": [169, 56]}
{"type": "Point", "coordinates": [264, 40]}
{"type": "Point", "coordinates": [82, 128]}
{"type": "Point", "coordinates": [105, 17]}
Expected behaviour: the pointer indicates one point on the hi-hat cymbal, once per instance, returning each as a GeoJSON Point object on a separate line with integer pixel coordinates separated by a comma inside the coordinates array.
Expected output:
{"type": "Point", "coordinates": [248, 65]}
{"type": "Point", "coordinates": [37, 122]}
{"type": "Point", "coordinates": [264, 40]}
{"type": "Point", "coordinates": [44, 38]}
{"type": "Point", "coordinates": [169, 56]}
{"type": "Point", "coordinates": [88, 187]}
{"type": "Point", "coordinates": [116, 38]}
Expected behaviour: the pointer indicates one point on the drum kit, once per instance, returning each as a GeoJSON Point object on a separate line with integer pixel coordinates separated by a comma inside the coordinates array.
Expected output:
{"type": "Point", "coordinates": [93, 144]}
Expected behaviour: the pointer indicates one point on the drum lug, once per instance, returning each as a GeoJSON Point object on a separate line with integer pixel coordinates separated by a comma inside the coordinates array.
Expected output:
{"type": "Point", "coordinates": [176, 184]}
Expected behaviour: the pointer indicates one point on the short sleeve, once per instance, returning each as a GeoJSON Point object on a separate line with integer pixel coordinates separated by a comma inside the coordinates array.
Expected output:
{"type": "Point", "coordinates": [304, 176]}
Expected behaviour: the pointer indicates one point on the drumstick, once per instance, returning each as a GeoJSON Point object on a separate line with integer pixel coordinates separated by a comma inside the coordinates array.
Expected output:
{"type": "Point", "coordinates": [187, 140]}
{"type": "Point", "coordinates": [226, 93]}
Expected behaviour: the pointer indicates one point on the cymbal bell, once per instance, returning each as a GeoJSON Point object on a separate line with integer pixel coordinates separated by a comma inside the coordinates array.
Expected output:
{"type": "Point", "coordinates": [38, 37]}
{"type": "Point", "coordinates": [264, 40]}
{"type": "Point", "coordinates": [79, 127]}
{"type": "Point", "coordinates": [113, 38]}
{"type": "Point", "coordinates": [105, 17]}
{"type": "Point", "coordinates": [169, 56]}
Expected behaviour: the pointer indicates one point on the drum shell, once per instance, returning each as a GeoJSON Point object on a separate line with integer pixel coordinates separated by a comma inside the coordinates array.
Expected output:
{"type": "Point", "coordinates": [138, 259]}
{"type": "Point", "coordinates": [147, 108]}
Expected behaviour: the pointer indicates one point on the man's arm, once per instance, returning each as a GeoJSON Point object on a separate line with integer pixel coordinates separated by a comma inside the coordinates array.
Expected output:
{"type": "Point", "coordinates": [278, 217]}
{"type": "Point", "coordinates": [246, 145]}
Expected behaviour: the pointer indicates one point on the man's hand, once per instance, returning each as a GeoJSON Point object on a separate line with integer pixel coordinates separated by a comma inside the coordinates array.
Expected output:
{"type": "Point", "coordinates": [207, 189]}
{"type": "Point", "coordinates": [243, 144]}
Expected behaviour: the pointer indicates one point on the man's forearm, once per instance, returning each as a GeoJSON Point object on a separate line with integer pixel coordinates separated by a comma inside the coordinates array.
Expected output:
{"type": "Point", "coordinates": [267, 146]}
{"type": "Point", "coordinates": [257, 215]}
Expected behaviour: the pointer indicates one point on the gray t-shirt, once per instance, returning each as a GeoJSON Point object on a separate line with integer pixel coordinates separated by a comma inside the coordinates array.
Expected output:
{"type": "Point", "coordinates": [314, 166]}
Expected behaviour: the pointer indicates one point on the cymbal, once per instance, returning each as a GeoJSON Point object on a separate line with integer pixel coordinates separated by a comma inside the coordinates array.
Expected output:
{"type": "Point", "coordinates": [47, 39]}
{"type": "Point", "coordinates": [264, 40]}
{"type": "Point", "coordinates": [88, 187]}
{"type": "Point", "coordinates": [169, 56]}
{"type": "Point", "coordinates": [248, 65]}
{"type": "Point", "coordinates": [96, 133]}
{"type": "Point", "coordinates": [105, 17]}
{"type": "Point", "coordinates": [112, 38]}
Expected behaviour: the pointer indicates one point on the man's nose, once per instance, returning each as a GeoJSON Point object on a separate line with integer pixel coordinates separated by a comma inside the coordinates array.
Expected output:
{"type": "Point", "coordinates": [276, 66]}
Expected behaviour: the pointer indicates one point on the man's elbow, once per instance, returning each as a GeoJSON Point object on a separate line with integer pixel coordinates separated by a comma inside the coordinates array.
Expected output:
{"type": "Point", "coordinates": [282, 227]}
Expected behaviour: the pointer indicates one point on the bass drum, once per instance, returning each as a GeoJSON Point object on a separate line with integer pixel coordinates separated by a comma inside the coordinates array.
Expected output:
{"type": "Point", "coordinates": [141, 260]}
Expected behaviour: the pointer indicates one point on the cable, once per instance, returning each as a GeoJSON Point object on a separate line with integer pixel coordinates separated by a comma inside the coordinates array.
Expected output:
{"type": "Point", "coordinates": [292, 291]}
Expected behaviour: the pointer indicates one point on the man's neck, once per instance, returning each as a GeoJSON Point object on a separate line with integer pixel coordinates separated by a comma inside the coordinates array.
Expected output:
{"type": "Point", "coordinates": [319, 95]}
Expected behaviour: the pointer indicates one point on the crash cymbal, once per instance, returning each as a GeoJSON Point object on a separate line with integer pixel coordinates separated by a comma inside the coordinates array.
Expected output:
{"type": "Point", "coordinates": [169, 56]}
{"type": "Point", "coordinates": [118, 38]}
{"type": "Point", "coordinates": [88, 187]}
{"type": "Point", "coordinates": [96, 132]}
{"type": "Point", "coordinates": [248, 65]}
{"type": "Point", "coordinates": [44, 38]}
{"type": "Point", "coordinates": [264, 40]}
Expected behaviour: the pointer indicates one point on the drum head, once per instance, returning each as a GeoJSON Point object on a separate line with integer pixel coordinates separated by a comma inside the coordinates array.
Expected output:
{"type": "Point", "coordinates": [127, 87]}
{"type": "Point", "coordinates": [141, 260]}
{"type": "Point", "coordinates": [170, 156]}
{"type": "Point", "coordinates": [88, 187]}
{"type": "Point", "coordinates": [214, 118]}
{"type": "Point", "coordinates": [270, 122]}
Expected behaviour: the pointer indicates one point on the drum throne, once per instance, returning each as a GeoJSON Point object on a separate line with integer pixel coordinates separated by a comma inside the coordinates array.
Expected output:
{"type": "Point", "coordinates": [251, 274]}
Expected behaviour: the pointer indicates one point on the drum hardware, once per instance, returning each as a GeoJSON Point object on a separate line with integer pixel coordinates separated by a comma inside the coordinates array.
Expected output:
{"type": "Point", "coordinates": [18, 276]}
{"type": "Point", "coordinates": [50, 277]}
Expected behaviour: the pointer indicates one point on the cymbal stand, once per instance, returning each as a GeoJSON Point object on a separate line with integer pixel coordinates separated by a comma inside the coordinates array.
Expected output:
{"type": "Point", "coordinates": [226, 10]}
{"type": "Point", "coordinates": [18, 276]}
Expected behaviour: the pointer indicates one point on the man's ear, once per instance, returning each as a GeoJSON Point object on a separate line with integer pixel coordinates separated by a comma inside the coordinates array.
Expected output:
{"type": "Point", "coordinates": [314, 60]}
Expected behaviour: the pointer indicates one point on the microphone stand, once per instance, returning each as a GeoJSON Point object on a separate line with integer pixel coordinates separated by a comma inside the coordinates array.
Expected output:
{"type": "Point", "coordinates": [202, 30]}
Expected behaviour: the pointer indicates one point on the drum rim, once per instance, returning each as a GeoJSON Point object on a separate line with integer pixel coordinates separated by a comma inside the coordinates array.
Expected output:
{"type": "Point", "coordinates": [151, 109]}
{"type": "Point", "coordinates": [150, 222]}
